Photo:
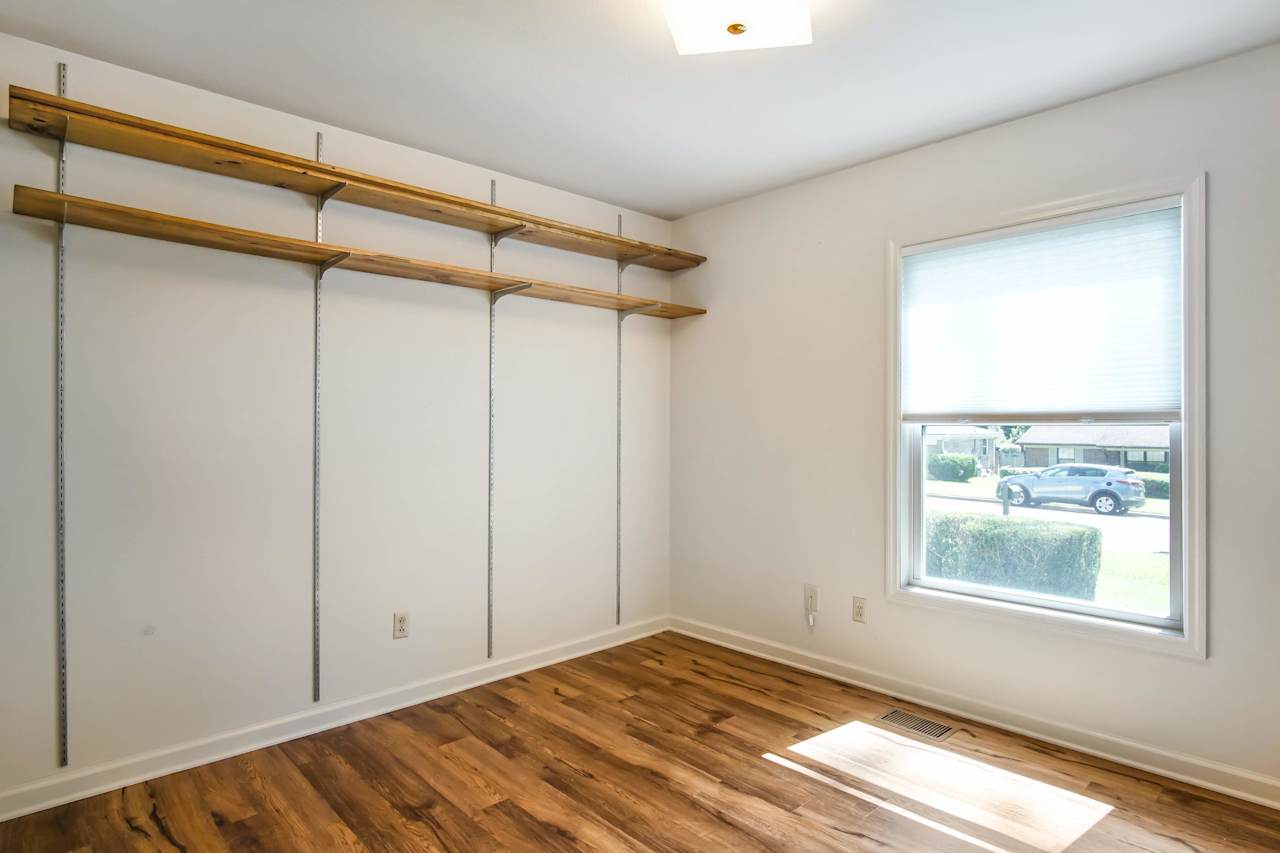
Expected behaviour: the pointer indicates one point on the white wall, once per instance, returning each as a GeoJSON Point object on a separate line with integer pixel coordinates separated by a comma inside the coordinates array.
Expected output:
{"type": "Point", "coordinates": [189, 441]}
{"type": "Point", "coordinates": [778, 416]}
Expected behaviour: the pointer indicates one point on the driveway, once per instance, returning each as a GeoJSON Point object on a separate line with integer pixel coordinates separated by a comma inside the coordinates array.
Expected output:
{"type": "Point", "coordinates": [1119, 532]}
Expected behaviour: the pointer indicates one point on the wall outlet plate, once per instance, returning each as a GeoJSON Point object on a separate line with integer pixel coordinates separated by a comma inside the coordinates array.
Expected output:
{"type": "Point", "coordinates": [810, 598]}
{"type": "Point", "coordinates": [400, 625]}
{"type": "Point", "coordinates": [859, 609]}
{"type": "Point", "coordinates": [811, 605]}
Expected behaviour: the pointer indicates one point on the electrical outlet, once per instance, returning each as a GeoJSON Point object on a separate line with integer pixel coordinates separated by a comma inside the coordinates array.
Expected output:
{"type": "Point", "coordinates": [859, 609]}
{"type": "Point", "coordinates": [400, 625]}
{"type": "Point", "coordinates": [810, 603]}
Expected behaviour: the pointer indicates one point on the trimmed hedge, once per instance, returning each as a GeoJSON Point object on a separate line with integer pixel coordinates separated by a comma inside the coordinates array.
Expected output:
{"type": "Point", "coordinates": [1157, 485]}
{"type": "Point", "coordinates": [1013, 471]}
{"type": "Point", "coordinates": [1015, 553]}
{"type": "Point", "coordinates": [953, 467]}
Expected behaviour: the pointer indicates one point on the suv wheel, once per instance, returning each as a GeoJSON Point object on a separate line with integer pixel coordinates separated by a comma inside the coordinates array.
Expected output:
{"type": "Point", "coordinates": [1018, 496]}
{"type": "Point", "coordinates": [1106, 503]}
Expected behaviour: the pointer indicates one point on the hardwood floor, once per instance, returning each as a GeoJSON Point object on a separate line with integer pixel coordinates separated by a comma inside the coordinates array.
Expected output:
{"type": "Point", "coordinates": [667, 743]}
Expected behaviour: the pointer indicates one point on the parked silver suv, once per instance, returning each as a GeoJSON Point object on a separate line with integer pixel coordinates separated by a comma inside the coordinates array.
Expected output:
{"type": "Point", "coordinates": [1108, 489]}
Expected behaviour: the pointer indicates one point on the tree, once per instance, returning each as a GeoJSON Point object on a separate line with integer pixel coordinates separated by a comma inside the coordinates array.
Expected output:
{"type": "Point", "coordinates": [1013, 433]}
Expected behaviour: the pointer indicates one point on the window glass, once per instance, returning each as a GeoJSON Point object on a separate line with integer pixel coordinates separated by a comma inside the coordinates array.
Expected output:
{"type": "Point", "coordinates": [1082, 533]}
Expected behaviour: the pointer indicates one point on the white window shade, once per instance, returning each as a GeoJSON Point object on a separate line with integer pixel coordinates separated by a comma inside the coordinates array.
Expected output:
{"type": "Point", "coordinates": [1080, 319]}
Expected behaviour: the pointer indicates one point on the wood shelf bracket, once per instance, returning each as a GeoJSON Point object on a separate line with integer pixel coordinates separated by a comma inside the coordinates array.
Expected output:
{"type": "Point", "coordinates": [495, 295]}
{"type": "Point", "coordinates": [498, 236]}
{"type": "Point", "coordinates": [638, 259]}
{"type": "Point", "coordinates": [325, 266]}
{"type": "Point", "coordinates": [330, 193]}
{"type": "Point", "coordinates": [624, 313]}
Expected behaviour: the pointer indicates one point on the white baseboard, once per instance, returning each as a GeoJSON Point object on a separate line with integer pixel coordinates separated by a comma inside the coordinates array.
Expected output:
{"type": "Point", "coordinates": [71, 785]}
{"type": "Point", "coordinates": [1223, 778]}
{"type": "Point", "coordinates": [68, 786]}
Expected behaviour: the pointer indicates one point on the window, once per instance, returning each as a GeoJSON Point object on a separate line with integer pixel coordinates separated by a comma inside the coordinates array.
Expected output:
{"type": "Point", "coordinates": [1145, 457]}
{"type": "Point", "coordinates": [1078, 331]}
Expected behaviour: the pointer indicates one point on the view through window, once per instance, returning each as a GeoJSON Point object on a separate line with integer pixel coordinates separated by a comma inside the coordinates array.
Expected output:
{"type": "Point", "coordinates": [1060, 511]}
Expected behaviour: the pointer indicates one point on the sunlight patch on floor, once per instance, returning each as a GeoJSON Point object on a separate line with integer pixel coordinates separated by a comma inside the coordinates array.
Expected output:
{"type": "Point", "coordinates": [1030, 813]}
{"type": "Point", "coordinates": [883, 804]}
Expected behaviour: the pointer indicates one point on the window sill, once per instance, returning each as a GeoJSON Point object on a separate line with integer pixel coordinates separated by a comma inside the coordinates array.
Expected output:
{"type": "Point", "coordinates": [1161, 640]}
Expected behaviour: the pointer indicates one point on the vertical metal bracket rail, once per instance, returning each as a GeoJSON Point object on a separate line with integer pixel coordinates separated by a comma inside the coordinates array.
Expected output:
{"type": "Point", "coordinates": [623, 313]}
{"type": "Point", "coordinates": [493, 301]}
{"type": "Point", "coordinates": [494, 296]}
{"type": "Point", "coordinates": [321, 269]}
{"type": "Point", "coordinates": [617, 522]}
{"type": "Point", "coordinates": [59, 457]}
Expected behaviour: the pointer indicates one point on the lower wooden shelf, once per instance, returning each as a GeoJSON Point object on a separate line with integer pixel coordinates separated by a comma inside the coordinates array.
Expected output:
{"type": "Point", "coordinates": [91, 213]}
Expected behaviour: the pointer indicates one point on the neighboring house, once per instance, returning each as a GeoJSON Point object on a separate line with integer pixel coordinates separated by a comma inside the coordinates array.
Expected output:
{"type": "Point", "coordinates": [976, 441]}
{"type": "Point", "coordinates": [1141, 447]}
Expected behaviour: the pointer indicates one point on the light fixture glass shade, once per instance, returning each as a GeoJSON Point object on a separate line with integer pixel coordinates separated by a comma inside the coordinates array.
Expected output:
{"type": "Point", "coordinates": [711, 26]}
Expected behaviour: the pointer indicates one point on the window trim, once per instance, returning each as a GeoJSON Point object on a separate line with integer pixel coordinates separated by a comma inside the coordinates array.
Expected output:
{"type": "Point", "coordinates": [902, 549]}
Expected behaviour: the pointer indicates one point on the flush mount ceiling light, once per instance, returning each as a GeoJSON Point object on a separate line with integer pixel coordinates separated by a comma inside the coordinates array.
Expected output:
{"type": "Point", "coordinates": [711, 26]}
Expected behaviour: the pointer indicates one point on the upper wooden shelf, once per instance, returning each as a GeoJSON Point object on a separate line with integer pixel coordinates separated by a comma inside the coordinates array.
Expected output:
{"type": "Point", "coordinates": [85, 124]}
{"type": "Point", "coordinates": [60, 207]}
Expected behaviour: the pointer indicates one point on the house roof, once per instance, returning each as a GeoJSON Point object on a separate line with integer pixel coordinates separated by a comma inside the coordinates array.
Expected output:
{"type": "Point", "coordinates": [963, 431]}
{"type": "Point", "coordinates": [1098, 435]}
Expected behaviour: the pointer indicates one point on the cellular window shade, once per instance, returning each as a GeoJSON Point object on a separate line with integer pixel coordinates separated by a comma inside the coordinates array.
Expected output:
{"type": "Point", "coordinates": [1080, 319]}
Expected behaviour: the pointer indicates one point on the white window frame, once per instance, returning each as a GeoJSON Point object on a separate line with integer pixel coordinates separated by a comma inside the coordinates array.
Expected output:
{"type": "Point", "coordinates": [1187, 538]}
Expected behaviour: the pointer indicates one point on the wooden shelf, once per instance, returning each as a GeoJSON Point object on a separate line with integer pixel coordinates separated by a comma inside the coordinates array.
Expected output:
{"type": "Point", "coordinates": [85, 124]}
{"type": "Point", "coordinates": [91, 213]}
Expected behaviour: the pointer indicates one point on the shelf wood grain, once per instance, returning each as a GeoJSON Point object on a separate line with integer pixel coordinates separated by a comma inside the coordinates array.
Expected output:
{"type": "Point", "coordinates": [86, 124]}
{"type": "Point", "coordinates": [91, 213]}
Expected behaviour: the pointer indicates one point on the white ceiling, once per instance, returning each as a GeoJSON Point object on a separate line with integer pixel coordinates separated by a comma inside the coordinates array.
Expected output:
{"type": "Point", "coordinates": [590, 96]}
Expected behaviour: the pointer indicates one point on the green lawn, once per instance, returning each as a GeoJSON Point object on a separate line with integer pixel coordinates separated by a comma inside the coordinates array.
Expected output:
{"type": "Point", "coordinates": [985, 487]}
{"type": "Point", "coordinates": [978, 487]}
{"type": "Point", "coordinates": [1134, 581]}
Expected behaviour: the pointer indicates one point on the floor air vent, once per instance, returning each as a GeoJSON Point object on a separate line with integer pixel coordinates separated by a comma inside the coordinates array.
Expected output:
{"type": "Point", "coordinates": [917, 725]}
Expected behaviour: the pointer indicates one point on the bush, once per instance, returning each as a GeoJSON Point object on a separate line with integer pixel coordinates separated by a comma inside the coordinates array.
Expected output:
{"type": "Point", "coordinates": [1157, 484]}
{"type": "Point", "coordinates": [1015, 553]}
{"type": "Point", "coordinates": [1013, 471]}
{"type": "Point", "coordinates": [953, 467]}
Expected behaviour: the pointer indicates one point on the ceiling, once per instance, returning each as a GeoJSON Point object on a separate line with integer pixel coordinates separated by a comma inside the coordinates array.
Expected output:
{"type": "Point", "coordinates": [590, 95]}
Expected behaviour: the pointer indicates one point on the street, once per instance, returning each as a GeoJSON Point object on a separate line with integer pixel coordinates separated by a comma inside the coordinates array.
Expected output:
{"type": "Point", "coordinates": [1119, 532]}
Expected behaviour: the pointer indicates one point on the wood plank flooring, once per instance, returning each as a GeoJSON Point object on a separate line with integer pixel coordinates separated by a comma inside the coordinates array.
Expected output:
{"type": "Point", "coordinates": [666, 743]}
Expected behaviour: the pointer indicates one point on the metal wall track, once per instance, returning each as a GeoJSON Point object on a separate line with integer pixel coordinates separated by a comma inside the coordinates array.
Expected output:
{"type": "Point", "coordinates": [617, 568]}
{"type": "Point", "coordinates": [315, 453]}
{"type": "Point", "coordinates": [622, 315]}
{"type": "Point", "coordinates": [493, 302]}
{"type": "Point", "coordinates": [59, 457]}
